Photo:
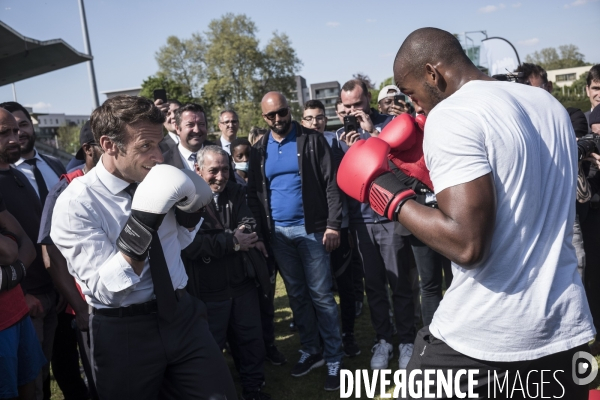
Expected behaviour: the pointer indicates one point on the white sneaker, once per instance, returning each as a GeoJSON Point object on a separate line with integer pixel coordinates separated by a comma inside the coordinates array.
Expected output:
{"type": "Point", "coordinates": [406, 351]}
{"type": "Point", "coordinates": [382, 352]}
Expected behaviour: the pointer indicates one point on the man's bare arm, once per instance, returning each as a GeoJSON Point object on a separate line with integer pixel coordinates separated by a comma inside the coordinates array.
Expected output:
{"type": "Point", "coordinates": [462, 228]}
{"type": "Point", "coordinates": [27, 251]}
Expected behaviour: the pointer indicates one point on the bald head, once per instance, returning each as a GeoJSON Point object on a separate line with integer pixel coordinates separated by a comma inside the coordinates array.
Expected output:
{"type": "Point", "coordinates": [429, 46]}
{"type": "Point", "coordinates": [5, 116]}
{"type": "Point", "coordinates": [431, 65]}
{"type": "Point", "coordinates": [273, 101]}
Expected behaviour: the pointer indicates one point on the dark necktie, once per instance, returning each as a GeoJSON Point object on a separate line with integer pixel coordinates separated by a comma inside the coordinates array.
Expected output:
{"type": "Point", "coordinates": [161, 279]}
{"type": "Point", "coordinates": [39, 179]}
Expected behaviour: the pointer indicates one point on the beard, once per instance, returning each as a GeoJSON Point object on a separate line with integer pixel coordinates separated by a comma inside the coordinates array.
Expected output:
{"type": "Point", "coordinates": [28, 146]}
{"type": "Point", "coordinates": [435, 95]}
{"type": "Point", "coordinates": [10, 155]}
{"type": "Point", "coordinates": [284, 127]}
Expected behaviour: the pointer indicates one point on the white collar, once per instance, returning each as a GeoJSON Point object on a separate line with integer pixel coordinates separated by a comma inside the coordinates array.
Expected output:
{"type": "Point", "coordinates": [184, 152]}
{"type": "Point", "coordinates": [112, 183]}
{"type": "Point", "coordinates": [36, 155]}
{"type": "Point", "coordinates": [225, 142]}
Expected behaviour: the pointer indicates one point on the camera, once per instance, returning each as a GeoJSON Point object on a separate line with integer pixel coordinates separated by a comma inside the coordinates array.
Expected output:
{"type": "Point", "coordinates": [350, 124]}
{"type": "Point", "coordinates": [588, 144]}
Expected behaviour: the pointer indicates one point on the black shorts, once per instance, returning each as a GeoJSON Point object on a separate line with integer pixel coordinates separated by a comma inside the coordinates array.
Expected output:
{"type": "Point", "coordinates": [500, 380]}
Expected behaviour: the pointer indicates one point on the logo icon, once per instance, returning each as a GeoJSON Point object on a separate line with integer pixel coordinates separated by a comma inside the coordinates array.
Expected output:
{"type": "Point", "coordinates": [584, 368]}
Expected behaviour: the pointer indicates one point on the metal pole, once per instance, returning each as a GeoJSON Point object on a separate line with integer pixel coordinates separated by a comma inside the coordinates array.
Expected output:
{"type": "Point", "coordinates": [14, 93]}
{"type": "Point", "coordinates": [88, 51]}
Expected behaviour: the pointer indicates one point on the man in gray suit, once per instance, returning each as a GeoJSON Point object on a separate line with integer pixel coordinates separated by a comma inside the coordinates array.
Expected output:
{"type": "Point", "coordinates": [190, 125]}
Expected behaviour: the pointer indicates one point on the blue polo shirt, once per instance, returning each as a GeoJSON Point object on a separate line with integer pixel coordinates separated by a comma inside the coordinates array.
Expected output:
{"type": "Point", "coordinates": [283, 175]}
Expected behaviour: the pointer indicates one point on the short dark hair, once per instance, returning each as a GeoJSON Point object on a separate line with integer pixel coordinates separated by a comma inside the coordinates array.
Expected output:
{"type": "Point", "coordinates": [117, 112]}
{"type": "Point", "coordinates": [192, 107]}
{"type": "Point", "coordinates": [352, 83]}
{"type": "Point", "coordinates": [12, 106]}
{"type": "Point", "coordinates": [229, 110]}
{"type": "Point", "coordinates": [174, 101]}
{"type": "Point", "coordinates": [239, 142]}
{"type": "Point", "coordinates": [529, 69]}
{"type": "Point", "coordinates": [593, 74]}
{"type": "Point", "coordinates": [312, 104]}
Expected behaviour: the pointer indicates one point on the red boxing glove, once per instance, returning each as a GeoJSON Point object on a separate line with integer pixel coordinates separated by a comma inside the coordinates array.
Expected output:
{"type": "Point", "coordinates": [405, 137]}
{"type": "Point", "coordinates": [364, 175]}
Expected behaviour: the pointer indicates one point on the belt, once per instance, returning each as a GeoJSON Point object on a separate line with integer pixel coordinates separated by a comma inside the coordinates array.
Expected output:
{"type": "Point", "coordinates": [148, 307]}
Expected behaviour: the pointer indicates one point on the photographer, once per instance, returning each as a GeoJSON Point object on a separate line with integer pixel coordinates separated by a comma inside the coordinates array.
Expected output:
{"type": "Point", "coordinates": [217, 266]}
{"type": "Point", "coordinates": [392, 101]}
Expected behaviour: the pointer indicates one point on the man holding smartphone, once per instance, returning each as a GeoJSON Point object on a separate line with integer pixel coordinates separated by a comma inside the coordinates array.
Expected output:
{"type": "Point", "coordinates": [392, 101]}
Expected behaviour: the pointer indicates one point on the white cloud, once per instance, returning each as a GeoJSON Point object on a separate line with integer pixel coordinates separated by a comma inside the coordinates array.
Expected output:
{"type": "Point", "coordinates": [333, 24]}
{"type": "Point", "coordinates": [579, 3]}
{"type": "Point", "coordinates": [516, 5]}
{"type": "Point", "coordinates": [40, 105]}
{"type": "Point", "coordinates": [491, 8]}
{"type": "Point", "coordinates": [371, 20]}
{"type": "Point", "coordinates": [529, 42]}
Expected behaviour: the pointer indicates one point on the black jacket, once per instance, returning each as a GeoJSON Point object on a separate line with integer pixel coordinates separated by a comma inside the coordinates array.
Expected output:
{"type": "Point", "coordinates": [321, 198]}
{"type": "Point", "coordinates": [216, 272]}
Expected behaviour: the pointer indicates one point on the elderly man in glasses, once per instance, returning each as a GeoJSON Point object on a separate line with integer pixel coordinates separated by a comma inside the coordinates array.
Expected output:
{"type": "Point", "coordinates": [293, 194]}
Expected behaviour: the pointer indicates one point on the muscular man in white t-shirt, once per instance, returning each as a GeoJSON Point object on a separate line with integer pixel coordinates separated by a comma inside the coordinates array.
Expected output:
{"type": "Point", "coordinates": [502, 162]}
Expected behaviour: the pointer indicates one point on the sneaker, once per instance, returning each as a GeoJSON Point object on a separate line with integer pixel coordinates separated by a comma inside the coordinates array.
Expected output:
{"type": "Point", "coordinates": [350, 347]}
{"type": "Point", "coordinates": [306, 363]}
{"type": "Point", "coordinates": [255, 395]}
{"type": "Point", "coordinates": [332, 382]}
{"type": "Point", "coordinates": [382, 352]}
{"type": "Point", "coordinates": [358, 306]}
{"type": "Point", "coordinates": [274, 355]}
{"type": "Point", "coordinates": [406, 351]}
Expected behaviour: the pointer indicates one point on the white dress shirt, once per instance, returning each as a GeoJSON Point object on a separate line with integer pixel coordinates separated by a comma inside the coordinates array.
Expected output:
{"type": "Point", "coordinates": [88, 218]}
{"type": "Point", "coordinates": [48, 173]}
{"type": "Point", "coordinates": [174, 136]}
{"type": "Point", "coordinates": [185, 156]}
{"type": "Point", "coordinates": [225, 145]}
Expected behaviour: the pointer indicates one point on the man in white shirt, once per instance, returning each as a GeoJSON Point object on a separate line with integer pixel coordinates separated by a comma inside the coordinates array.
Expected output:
{"type": "Point", "coordinates": [138, 352]}
{"type": "Point", "coordinates": [190, 125]}
{"type": "Point", "coordinates": [502, 159]}
{"type": "Point", "coordinates": [229, 124]}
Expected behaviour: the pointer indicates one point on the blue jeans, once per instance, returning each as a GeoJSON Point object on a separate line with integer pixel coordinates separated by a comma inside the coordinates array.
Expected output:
{"type": "Point", "coordinates": [304, 267]}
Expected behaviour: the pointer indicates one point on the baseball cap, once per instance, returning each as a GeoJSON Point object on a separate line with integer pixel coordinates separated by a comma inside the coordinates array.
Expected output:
{"type": "Point", "coordinates": [85, 136]}
{"type": "Point", "coordinates": [383, 93]}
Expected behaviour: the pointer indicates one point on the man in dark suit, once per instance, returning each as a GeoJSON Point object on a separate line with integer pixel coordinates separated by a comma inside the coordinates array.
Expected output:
{"type": "Point", "coordinates": [190, 125]}
{"type": "Point", "coordinates": [171, 138]}
{"type": "Point", "coordinates": [592, 89]}
{"type": "Point", "coordinates": [43, 173]}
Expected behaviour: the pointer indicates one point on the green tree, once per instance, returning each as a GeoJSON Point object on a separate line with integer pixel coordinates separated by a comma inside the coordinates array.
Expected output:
{"type": "Point", "coordinates": [183, 61]}
{"type": "Point", "coordinates": [68, 138]}
{"type": "Point", "coordinates": [174, 89]}
{"type": "Point", "coordinates": [550, 58]}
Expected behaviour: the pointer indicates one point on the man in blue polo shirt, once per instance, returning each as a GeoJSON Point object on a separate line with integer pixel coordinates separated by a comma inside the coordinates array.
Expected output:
{"type": "Point", "coordinates": [293, 193]}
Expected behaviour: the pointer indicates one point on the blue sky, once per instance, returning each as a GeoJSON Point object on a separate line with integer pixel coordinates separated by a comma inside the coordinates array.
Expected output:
{"type": "Point", "coordinates": [334, 39]}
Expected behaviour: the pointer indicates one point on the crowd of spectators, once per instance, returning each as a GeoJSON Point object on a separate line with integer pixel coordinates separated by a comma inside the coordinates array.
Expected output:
{"type": "Point", "coordinates": [271, 205]}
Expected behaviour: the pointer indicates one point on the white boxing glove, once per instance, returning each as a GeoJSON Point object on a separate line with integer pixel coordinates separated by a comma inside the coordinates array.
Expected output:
{"type": "Point", "coordinates": [202, 196]}
{"type": "Point", "coordinates": [163, 187]}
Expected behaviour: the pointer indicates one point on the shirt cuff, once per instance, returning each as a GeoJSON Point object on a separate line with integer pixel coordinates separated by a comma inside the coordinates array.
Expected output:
{"type": "Point", "coordinates": [117, 275]}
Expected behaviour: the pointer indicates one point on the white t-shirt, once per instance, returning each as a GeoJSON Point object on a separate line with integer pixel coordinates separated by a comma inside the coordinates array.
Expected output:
{"type": "Point", "coordinates": [526, 300]}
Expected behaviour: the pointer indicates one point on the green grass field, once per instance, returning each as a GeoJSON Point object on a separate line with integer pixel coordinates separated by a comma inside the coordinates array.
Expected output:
{"type": "Point", "coordinates": [280, 384]}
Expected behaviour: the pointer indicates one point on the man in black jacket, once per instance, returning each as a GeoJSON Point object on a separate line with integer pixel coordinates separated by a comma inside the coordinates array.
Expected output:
{"type": "Point", "coordinates": [293, 192]}
{"type": "Point", "coordinates": [220, 271]}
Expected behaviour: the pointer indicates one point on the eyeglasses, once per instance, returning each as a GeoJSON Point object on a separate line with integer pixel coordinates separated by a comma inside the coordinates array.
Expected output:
{"type": "Point", "coordinates": [232, 122]}
{"type": "Point", "coordinates": [318, 118]}
{"type": "Point", "coordinates": [281, 112]}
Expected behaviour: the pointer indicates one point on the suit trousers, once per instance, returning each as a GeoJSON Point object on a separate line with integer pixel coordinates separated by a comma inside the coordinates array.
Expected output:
{"type": "Point", "coordinates": [136, 358]}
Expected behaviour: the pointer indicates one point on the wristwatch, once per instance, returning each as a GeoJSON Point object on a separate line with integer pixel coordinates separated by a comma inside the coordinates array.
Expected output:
{"type": "Point", "coordinates": [236, 244]}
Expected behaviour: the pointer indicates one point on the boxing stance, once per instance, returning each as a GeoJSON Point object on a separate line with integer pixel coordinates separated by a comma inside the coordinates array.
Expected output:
{"type": "Point", "coordinates": [501, 159]}
{"type": "Point", "coordinates": [122, 242]}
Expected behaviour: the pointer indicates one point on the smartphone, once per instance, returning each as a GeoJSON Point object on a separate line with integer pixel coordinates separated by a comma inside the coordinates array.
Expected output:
{"type": "Point", "coordinates": [350, 124]}
{"type": "Point", "coordinates": [398, 98]}
{"type": "Point", "coordinates": [160, 94]}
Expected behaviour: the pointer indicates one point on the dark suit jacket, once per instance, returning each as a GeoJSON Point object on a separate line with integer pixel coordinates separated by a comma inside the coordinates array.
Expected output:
{"type": "Point", "coordinates": [54, 163]}
{"type": "Point", "coordinates": [167, 143]}
{"type": "Point", "coordinates": [173, 157]}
